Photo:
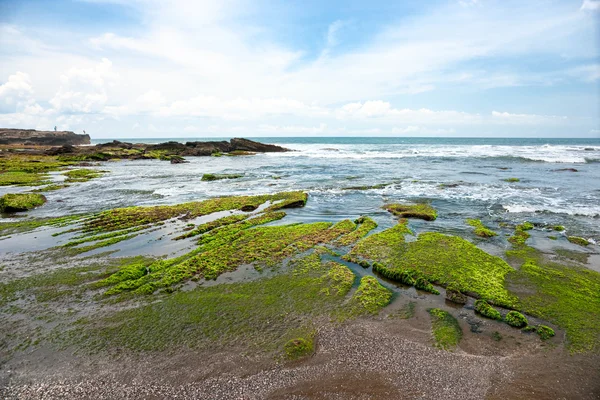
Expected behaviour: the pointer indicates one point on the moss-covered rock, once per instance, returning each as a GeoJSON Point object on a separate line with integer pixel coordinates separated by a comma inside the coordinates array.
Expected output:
{"type": "Point", "coordinates": [370, 295]}
{"type": "Point", "coordinates": [420, 211]}
{"type": "Point", "coordinates": [298, 347]}
{"type": "Point", "coordinates": [216, 177]}
{"type": "Point", "coordinates": [512, 180]}
{"type": "Point", "coordinates": [18, 202]}
{"type": "Point", "coordinates": [521, 235]}
{"type": "Point", "coordinates": [578, 240]}
{"type": "Point", "coordinates": [445, 328]}
{"type": "Point", "coordinates": [480, 229]}
{"type": "Point", "coordinates": [516, 319]}
{"type": "Point", "coordinates": [483, 308]}
{"type": "Point", "coordinates": [454, 294]}
{"type": "Point", "coordinates": [545, 332]}
{"type": "Point", "coordinates": [440, 259]}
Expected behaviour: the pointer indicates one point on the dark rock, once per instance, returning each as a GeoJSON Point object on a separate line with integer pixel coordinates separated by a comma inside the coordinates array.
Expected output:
{"type": "Point", "coordinates": [55, 151]}
{"type": "Point", "coordinates": [455, 296]}
{"type": "Point", "coordinates": [116, 143]}
{"type": "Point", "coordinates": [41, 138]}
{"type": "Point", "coordinates": [566, 169]}
{"type": "Point", "coordinates": [178, 160]}
{"type": "Point", "coordinates": [250, 145]}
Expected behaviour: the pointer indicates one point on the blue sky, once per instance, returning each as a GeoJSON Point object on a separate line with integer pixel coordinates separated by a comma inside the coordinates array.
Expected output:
{"type": "Point", "coordinates": [150, 68]}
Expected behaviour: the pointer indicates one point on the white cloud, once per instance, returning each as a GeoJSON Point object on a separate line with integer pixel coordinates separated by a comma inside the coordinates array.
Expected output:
{"type": "Point", "coordinates": [527, 119]}
{"type": "Point", "coordinates": [592, 5]}
{"type": "Point", "coordinates": [83, 90]}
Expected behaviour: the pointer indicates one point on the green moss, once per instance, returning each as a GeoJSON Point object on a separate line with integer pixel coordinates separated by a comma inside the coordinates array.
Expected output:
{"type": "Point", "coordinates": [578, 240]}
{"type": "Point", "coordinates": [480, 229]}
{"type": "Point", "coordinates": [16, 202]}
{"type": "Point", "coordinates": [483, 308]}
{"type": "Point", "coordinates": [454, 294]}
{"type": "Point", "coordinates": [81, 175]}
{"type": "Point", "coordinates": [240, 153]}
{"type": "Point", "coordinates": [216, 177]}
{"type": "Point", "coordinates": [520, 236]}
{"type": "Point", "coordinates": [439, 259]}
{"type": "Point", "coordinates": [367, 187]}
{"type": "Point", "coordinates": [8, 228]}
{"type": "Point", "coordinates": [365, 225]}
{"type": "Point", "coordinates": [339, 279]}
{"type": "Point", "coordinates": [264, 314]}
{"type": "Point", "coordinates": [568, 296]}
{"type": "Point", "coordinates": [445, 328]}
{"type": "Point", "coordinates": [298, 347]}
{"type": "Point", "coordinates": [370, 295]}
{"type": "Point", "coordinates": [206, 227]}
{"type": "Point", "coordinates": [512, 180]}
{"type": "Point", "coordinates": [50, 188]}
{"type": "Point", "coordinates": [558, 228]}
{"type": "Point", "coordinates": [123, 218]}
{"type": "Point", "coordinates": [227, 248]}
{"type": "Point", "coordinates": [573, 255]}
{"type": "Point", "coordinates": [406, 312]}
{"type": "Point", "coordinates": [544, 332]}
{"type": "Point", "coordinates": [516, 319]}
{"type": "Point", "coordinates": [421, 211]}
{"type": "Point", "coordinates": [26, 169]}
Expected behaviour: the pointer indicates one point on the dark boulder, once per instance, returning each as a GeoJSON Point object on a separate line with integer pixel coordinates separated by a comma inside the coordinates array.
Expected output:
{"type": "Point", "coordinates": [66, 149]}
{"type": "Point", "coordinates": [250, 145]}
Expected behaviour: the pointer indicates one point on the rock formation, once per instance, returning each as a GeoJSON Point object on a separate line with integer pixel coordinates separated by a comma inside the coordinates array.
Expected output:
{"type": "Point", "coordinates": [27, 137]}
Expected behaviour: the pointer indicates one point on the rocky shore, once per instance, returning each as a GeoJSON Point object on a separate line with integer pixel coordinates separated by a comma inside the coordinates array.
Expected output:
{"type": "Point", "coordinates": [32, 137]}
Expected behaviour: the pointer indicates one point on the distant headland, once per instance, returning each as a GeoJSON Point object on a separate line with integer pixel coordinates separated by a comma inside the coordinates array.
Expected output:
{"type": "Point", "coordinates": [9, 136]}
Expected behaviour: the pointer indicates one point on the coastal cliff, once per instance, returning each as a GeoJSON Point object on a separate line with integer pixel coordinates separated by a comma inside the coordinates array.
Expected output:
{"type": "Point", "coordinates": [26, 137]}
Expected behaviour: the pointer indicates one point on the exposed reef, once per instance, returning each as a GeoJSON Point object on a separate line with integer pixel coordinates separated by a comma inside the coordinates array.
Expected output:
{"type": "Point", "coordinates": [420, 211]}
{"type": "Point", "coordinates": [20, 202]}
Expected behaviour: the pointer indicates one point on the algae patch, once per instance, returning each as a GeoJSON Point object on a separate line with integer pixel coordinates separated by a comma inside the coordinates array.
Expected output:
{"type": "Point", "coordinates": [445, 328]}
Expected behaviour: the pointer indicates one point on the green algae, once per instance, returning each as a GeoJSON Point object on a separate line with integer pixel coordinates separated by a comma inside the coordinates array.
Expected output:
{"type": "Point", "coordinates": [370, 296]}
{"type": "Point", "coordinates": [516, 319]}
{"type": "Point", "coordinates": [483, 308]}
{"type": "Point", "coordinates": [27, 170]}
{"type": "Point", "coordinates": [216, 177]}
{"type": "Point", "coordinates": [578, 240]}
{"type": "Point", "coordinates": [21, 226]}
{"type": "Point", "coordinates": [521, 235]}
{"type": "Point", "coordinates": [298, 348]}
{"type": "Point", "coordinates": [338, 279]}
{"type": "Point", "coordinates": [568, 296]}
{"type": "Point", "coordinates": [82, 175]}
{"type": "Point", "coordinates": [209, 226]}
{"type": "Point", "coordinates": [480, 229]}
{"type": "Point", "coordinates": [263, 315]}
{"type": "Point", "coordinates": [228, 248]}
{"type": "Point", "coordinates": [50, 188]}
{"type": "Point", "coordinates": [545, 332]}
{"type": "Point", "coordinates": [440, 259]}
{"type": "Point", "coordinates": [123, 218]}
{"type": "Point", "coordinates": [512, 180]}
{"type": "Point", "coordinates": [573, 255]}
{"type": "Point", "coordinates": [18, 202]}
{"type": "Point", "coordinates": [365, 225]}
{"type": "Point", "coordinates": [558, 228]}
{"type": "Point", "coordinates": [445, 328]}
{"type": "Point", "coordinates": [420, 211]}
{"type": "Point", "coordinates": [368, 187]}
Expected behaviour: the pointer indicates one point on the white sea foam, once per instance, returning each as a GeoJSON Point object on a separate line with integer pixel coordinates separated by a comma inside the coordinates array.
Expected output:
{"type": "Point", "coordinates": [546, 153]}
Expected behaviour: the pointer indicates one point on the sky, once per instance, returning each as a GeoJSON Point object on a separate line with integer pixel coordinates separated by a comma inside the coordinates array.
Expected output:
{"type": "Point", "coordinates": [256, 68]}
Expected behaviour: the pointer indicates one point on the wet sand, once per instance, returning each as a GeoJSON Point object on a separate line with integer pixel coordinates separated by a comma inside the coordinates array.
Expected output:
{"type": "Point", "coordinates": [370, 358]}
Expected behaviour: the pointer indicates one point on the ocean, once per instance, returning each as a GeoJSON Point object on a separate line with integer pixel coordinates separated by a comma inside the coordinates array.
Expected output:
{"type": "Point", "coordinates": [559, 181]}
